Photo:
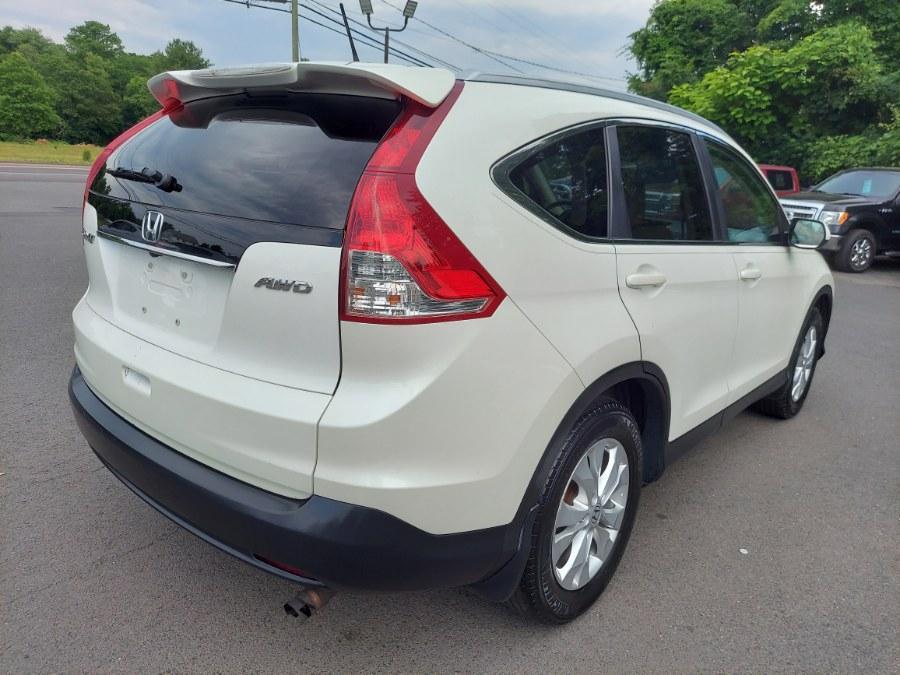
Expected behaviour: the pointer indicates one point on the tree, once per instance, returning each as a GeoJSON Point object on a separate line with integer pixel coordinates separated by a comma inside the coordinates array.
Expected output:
{"type": "Point", "coordinates": [93, 37]}
{"type": "Point", "coordinates": [683, 39]}
{"type": "Point", "coordinates": [12, 39]}
{"type": "Point", "coordinates": [96, 88]}
{"type": "Point", "coordinates": [813, 83]}
{"type": "Point", "coordinates": [788, 22]}
{"type": "Point", "coordinates": [779, 102]}
{"type": "Point", "coordinates": [86, 101]}
{"type": "Point", "coordinates": [26, 102]}
{"type": "Point", "coordinates": [137, 102]}
{"type": "Point", "coordinates": [183, 55]}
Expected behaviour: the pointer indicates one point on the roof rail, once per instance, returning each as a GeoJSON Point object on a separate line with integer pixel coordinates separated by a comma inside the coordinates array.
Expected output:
{"type": "Point", "coordinates": [593, 91]}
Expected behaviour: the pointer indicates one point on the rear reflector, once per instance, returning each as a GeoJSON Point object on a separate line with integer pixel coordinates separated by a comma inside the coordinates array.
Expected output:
{"type": "Point", "coordinates": [402, 263]}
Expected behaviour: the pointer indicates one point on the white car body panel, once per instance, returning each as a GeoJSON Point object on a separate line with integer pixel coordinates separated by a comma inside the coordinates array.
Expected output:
{"type": "Point", "coordinates": [687, 325]}
{"type": "Point", "coordinates": [770, 310]}
{"type": "Point", "coordinates": [221, 314]}
{"type": "Point", "coordinates": [260, 433]}
{"type": "Point", "coordinates": [442, 424]}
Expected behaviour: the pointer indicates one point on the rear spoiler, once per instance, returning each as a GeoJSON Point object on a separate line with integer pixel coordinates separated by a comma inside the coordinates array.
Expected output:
{"type": "Point", "coordinates": [428, 86]}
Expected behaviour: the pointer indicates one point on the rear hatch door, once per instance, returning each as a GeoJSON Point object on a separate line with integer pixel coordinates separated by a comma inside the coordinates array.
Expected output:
{"type": "Point", "coordinates": [220, 225]}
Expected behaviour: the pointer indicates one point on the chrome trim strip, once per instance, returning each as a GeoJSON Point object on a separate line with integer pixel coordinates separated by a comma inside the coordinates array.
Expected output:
{"type": "Point", "coordinates": [165, 251]}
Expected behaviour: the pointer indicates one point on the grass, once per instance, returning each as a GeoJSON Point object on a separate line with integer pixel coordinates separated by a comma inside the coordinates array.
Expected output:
{"type": "Point", "coordinates": [50, 152]}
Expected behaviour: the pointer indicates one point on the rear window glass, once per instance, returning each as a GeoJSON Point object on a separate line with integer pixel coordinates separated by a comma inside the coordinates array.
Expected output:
{"type": "Point", "coordinates": [291, 159]}
{"type": "Point", "coordinates": [565, 182]}
{"type": "Point", "coordinates": [780, 180]}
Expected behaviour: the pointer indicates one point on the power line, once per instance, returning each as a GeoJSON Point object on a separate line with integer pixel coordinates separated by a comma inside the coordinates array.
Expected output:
{"type": "Point", "coordinates": [502, 58]}
{"type": "Point", "coordinates": [404, 55]}
{"type": "Point", "coordinates": [560, 70]}
{"type": "Point", "coordinates": [363, 38]}
{"type": "Point", "coordinates": [491, 56]}
{"type": "Point", "coordinates": [541, 33]}
{"type": "Point", "coordinates": [393, 39]}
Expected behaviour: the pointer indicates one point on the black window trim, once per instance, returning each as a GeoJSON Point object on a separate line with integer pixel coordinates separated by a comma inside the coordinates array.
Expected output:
{"type": "Point", "coordinates": [621, 232]}
{"type": "Point", "coordinates": [701, 139]}
{"type": "Point", "coordinates": [502, 168]}
{"type": "Point", "coordinates": [618, 227]}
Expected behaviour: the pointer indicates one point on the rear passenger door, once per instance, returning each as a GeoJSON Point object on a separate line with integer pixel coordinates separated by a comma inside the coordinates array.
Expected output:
{"type": "Point", "coordinates": [676, 278]}
{"type": "Point", "coordinates": [772, 276]}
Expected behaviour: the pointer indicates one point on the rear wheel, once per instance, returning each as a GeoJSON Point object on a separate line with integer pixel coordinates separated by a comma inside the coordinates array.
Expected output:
{"type": "Point", "coordinates": [857, 252]}
{"type": "Point", "coordinates": [787, 401]}
{"type": "Point", "coordinates": [586, 515]}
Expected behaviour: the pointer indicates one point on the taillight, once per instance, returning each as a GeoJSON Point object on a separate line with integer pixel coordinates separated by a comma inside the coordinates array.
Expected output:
{"type": "Point", "coordinates": [401, 262]}
{"type": "Point", "coordinates": [115, 143]}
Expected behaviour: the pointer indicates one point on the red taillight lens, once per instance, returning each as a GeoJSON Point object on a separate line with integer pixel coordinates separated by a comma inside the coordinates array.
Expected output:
{"type": "Point", "coordinates": [402, 263]}
{"type": "Point", "coordinates": [115, 143]}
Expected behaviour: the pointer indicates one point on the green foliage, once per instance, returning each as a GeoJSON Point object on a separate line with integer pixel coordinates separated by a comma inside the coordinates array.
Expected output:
{"type": "Point", "coordinates": [11, 39]}
{"type": "Point", "coordinates": [85, 155]}
{"type": "Point", "coordinates": [93, 87]}
{"type": "Point", "coordinates": [787, 22]}
{"type": "Point", "coordinates": [818, 88]}
{"type": "Point", "coordinates": [137, 102]}
{"type": "Point", "coordinates": [26, 102]}
{"type": "Point", "coordinates": [830, 154]}
{"type": "Point", "coordinates": [183, 55]}
{"type": "Point", "coordinates": [93, 37]}
{"type": "Point", "coordinates": [683, 39]}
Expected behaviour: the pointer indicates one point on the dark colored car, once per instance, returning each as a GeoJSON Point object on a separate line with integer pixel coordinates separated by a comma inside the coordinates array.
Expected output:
{"type": "Point", "coordinates": [783, 179]}
{"type": "Point", "coordinates": [861, 207]}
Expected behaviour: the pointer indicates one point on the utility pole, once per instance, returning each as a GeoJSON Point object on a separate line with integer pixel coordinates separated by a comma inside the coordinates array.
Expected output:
{"type": "Point", "coordinates": [295, 32]}
{"type": "Point", "coordinates": [295, 26]}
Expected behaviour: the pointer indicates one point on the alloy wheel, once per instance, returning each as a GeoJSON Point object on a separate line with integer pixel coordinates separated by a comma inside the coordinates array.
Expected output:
{"type": "Point", "coordinates": [590, 514]}
{"type": "Point", "coordinates": [806, 359]}
{"type": "Point", "coordinates": [861, 253]}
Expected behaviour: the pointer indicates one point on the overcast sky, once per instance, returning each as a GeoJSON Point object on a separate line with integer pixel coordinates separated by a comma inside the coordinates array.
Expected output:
{"type": "Point", "coordinates": [586, 36]}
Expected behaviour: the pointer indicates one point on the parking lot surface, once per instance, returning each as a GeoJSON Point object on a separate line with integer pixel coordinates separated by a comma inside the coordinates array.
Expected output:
{"type": "Point", "coordinates": [772, 546]}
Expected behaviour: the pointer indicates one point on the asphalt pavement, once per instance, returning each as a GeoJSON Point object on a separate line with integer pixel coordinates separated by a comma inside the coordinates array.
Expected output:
{"type": "Point", "coordinates": [772, 546]}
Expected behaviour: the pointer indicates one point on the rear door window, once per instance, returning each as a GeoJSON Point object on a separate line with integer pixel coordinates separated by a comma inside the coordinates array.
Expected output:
{"type": "Point", "coordinates": [565, 183]}
{"type": "Point", "coordinates": [664, 195]}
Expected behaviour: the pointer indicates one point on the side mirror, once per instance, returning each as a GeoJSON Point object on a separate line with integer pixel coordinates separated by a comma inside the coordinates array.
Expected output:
{"type": "Point", "coordinates": [806, 233]}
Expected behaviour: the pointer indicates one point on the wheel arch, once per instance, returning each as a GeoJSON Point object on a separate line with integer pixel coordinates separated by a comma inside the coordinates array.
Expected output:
{"type": "Point", "coordinates": [824, 302]}
{"type": "Point", "coordinates": [639, 384]}
{"type": "Point", "coordinates": [872, 223]}
{"type": "Point", "coordinates": [642, 387]}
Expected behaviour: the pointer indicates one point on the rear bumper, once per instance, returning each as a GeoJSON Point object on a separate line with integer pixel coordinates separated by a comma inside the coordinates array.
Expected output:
{"type": "Point", "coordinates": [328, 541]}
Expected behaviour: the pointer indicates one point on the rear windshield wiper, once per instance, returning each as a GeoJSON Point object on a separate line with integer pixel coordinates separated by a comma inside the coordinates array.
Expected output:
{"type": "Point", "coordinates": [164, 182]}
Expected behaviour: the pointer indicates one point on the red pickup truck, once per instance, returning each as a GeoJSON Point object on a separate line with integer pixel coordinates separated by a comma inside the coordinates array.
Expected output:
{"type": "Point", "coordinates": [784, 179]}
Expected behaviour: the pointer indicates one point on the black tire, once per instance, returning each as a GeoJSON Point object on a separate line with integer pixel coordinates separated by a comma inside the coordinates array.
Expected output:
{"type": "Point", "coordinates": [781, 404]}
{"type": "Point", "coordinates": [539, 595]}
{"type": "Point", "coordinates": [844, 259]}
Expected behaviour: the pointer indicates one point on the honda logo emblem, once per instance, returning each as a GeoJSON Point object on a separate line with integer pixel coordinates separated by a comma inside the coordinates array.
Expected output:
{"type": "Point", "coordinates": [152, 225]}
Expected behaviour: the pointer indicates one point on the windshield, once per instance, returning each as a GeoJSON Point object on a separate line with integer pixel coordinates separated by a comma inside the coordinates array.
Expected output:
{"type": "Point", "coordinates": [875, 184]}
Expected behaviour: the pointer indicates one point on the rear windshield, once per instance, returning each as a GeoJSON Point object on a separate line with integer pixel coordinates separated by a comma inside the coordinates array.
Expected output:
{"type": "Point", "coordinates": [291, 159]}
{"type": "Point", "coordinates": [780, 180]}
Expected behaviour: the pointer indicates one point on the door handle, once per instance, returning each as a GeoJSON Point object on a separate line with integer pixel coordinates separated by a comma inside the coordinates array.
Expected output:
{"type": "Point", "coordinates": [643, 279]}
{"type": "Point", "coordinates": [750, 274]}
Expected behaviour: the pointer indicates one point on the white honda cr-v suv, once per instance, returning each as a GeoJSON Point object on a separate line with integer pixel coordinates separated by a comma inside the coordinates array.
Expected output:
{"type": "Point", "coordinates": [372, 326]}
